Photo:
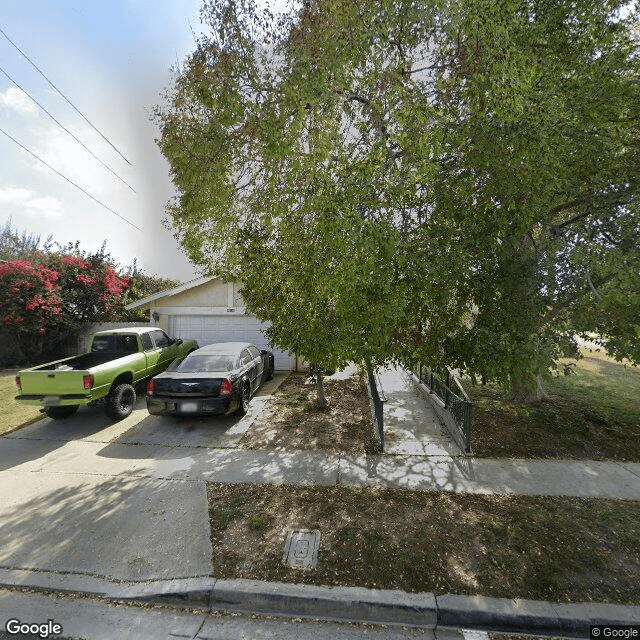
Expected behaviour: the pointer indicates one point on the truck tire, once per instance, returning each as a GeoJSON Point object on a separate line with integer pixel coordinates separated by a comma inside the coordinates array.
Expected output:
{"type": "Point", "coordinates": [120, 401]}
{"type": "Point", "coordinates": [60, 413]}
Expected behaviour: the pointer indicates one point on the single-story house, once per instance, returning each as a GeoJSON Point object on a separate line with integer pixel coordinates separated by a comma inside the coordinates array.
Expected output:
{"type": "Point", "coordinates": [209, 310]}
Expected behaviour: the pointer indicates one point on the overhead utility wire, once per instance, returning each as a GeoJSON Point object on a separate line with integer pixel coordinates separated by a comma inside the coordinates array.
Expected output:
{"type": "Point", "coordinates": [70, 181]}
{"type": "Point", "coordinates": [33, 64]}
{"type": "Point", "coordinates": [67, 130]}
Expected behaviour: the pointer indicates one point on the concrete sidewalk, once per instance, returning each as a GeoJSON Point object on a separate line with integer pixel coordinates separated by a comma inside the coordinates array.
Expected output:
{"type": "Point", "coordinates": [121, 467]}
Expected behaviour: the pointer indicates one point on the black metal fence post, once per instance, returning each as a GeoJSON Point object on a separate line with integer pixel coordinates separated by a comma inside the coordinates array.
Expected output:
{"type": "Point", "coordinates": [447, 388]}
{"type": "Point", "coordinates": [377, 399]}
{"type": "Point", "coordinates": [447, 399]}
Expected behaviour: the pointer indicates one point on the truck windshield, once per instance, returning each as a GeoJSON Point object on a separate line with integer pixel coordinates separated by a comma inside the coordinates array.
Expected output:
{"type": "Point", "coordinates": [116, 343]}
{"type": "Point", "coordinates": [204, 364]}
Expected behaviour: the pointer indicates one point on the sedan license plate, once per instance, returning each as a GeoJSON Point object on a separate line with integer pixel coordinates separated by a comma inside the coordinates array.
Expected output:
{"type": "Point", "coordinates": [188, 407]}
{"type": "Point", "coordinates": [51, 400]}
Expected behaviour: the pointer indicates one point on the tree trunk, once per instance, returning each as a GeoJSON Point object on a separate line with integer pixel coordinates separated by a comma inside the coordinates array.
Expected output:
{"type": "Point", "coordinates": [321, 400]}
{"type": "Point", "coordinates": [524, 391]}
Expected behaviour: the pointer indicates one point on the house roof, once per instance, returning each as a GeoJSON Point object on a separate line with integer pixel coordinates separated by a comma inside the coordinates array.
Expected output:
{"type": "Point", "coordinates": [169, 292]}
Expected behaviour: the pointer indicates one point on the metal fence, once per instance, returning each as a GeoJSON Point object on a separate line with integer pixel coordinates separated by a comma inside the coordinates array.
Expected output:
{"type": "Point", "coordinates": [450, 392]}
{"type": "Point", "coordinates": [376, 402]}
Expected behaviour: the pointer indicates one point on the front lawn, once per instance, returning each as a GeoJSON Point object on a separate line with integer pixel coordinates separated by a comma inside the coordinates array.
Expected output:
{"type": "Point", "coordinates": [543, 548]}
{"type": "Point", "coordinates": [593, 414]}
{"type": "Point", "coordinates": [12, 413]}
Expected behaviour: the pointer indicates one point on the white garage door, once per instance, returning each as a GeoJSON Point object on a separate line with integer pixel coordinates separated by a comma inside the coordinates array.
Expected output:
{"type": "Point", "coordinates": [210, 329]}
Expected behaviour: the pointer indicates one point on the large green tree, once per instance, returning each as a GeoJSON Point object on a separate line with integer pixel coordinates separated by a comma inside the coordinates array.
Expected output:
{"type": "Point", "coordinates": [462, 175]}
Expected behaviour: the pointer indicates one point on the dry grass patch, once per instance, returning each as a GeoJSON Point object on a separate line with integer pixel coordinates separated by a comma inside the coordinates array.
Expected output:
{"type": "Point", "coordinates": [542, 548]}
{"type": "Point", "coordinates": [593, 414]}
{"type": "Point", "coordinates": [12, 413]}
{"type": "Point", "coordinates": [294, 423]}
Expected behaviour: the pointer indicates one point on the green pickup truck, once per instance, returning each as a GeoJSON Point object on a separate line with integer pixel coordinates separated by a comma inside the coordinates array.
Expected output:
{"type": "Point", "coordinates": [116, 362]}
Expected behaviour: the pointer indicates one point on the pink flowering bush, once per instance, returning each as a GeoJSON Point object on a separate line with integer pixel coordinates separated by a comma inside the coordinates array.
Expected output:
{"type": "Point", "coordinates": [29, 295]}
{"type": "Point", "coordinates": [43, 303]}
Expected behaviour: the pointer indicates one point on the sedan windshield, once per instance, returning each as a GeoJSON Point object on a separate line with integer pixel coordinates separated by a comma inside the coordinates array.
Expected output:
{"type": "Point", "coordinates": [203, 364]}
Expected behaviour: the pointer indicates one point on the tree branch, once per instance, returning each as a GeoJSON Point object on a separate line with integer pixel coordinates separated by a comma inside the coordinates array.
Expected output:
{"type": "Point", "coordinates": [569, 205]}
{"type": "Point", "coordinates": [560, 307]}
{"type": "Point", "coordinates": [595, 291]}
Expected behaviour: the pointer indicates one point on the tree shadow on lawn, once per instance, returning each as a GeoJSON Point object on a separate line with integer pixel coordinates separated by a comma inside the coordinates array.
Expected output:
{"type": "Point", "coordinates": [559, 549]}
{"type": "Point", "coordinates": [294, 423]}
{"type": "Point", "coordinates": [589, 415]}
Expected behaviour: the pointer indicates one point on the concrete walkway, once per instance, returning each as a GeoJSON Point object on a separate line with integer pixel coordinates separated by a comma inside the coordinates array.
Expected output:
{"type": "Point", "coordinates": [411, 426]}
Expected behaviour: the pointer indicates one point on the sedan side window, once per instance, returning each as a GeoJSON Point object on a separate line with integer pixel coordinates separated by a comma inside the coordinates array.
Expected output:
{"type": "Point", "coordinates": [254, 351]}
{"type": "Point", "coordinates": [245, 357]}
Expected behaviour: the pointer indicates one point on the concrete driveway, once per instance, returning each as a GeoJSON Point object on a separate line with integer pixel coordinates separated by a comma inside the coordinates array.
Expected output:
{"type": "Point", "coordinates": [78, 495]}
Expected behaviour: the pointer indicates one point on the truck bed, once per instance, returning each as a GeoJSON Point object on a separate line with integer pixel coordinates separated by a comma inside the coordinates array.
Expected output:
{"type": "Point", "coordinates": [82, 362]}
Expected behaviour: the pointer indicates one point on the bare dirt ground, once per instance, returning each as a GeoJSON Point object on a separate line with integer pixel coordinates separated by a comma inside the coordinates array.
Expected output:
{"type": "Point", "coordinates": [541, 548]}
{"type": "Point", "coordinates": [293, 423]}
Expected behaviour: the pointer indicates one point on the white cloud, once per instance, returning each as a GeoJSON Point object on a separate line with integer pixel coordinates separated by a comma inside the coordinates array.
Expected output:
{"type": "Point", "coordinates": [30, 204]}
{"type": "Point", "coordinates": [46, 207]}
{"type": "Point", "coordinates": [14, 195]}
{"type": "Point", "coordinates": [19, 101]}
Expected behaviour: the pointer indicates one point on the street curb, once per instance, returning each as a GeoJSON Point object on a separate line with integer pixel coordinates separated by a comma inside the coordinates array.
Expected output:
{"type": "Point", "coordinates": [354, 604]}
{"type": "Point", "coordinates": [102, 587]}
{"type": "Point", "coordinates": [329, 603]}
{"type": "Point", "coordinates": [527, 616]}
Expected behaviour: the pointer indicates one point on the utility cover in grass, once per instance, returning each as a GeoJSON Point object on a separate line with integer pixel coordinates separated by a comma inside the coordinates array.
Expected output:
{"type": "Point", "coordinates": [301, 548]}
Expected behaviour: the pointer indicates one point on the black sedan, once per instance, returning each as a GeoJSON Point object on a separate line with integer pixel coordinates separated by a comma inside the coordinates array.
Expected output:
{"type": "Point", "coordinates": [213, 380]}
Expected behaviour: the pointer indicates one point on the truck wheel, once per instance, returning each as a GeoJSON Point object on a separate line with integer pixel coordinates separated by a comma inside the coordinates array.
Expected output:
{"type": "Point", "coordinates": [59, 413]}
{"type": "Point", "coordinates": [120, 401]}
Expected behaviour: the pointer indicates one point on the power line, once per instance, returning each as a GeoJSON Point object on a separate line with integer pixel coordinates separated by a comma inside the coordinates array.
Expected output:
{"type": "Point", "coordinates": [70, 181]}
{"type": "Point", "coordinates": [67, 130]}
{"type": "Point", "coordinates": [33, 64]}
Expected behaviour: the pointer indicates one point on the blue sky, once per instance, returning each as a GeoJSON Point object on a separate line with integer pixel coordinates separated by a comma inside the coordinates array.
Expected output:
{"type": "Point", "coordinates": [113, 60]}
